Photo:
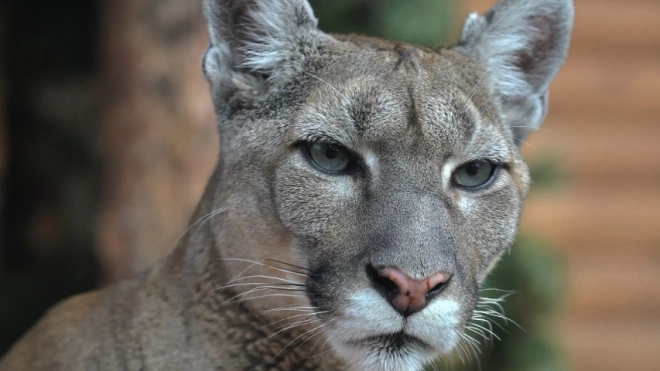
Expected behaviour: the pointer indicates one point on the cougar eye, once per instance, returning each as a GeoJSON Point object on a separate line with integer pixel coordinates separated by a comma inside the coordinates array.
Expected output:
{"type": "Point", "coordinates": [474, 173]}
{"type": "Point", "coordinates": [329, 157]}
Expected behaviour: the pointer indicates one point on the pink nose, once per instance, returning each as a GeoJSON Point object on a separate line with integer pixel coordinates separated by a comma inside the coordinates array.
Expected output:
{"type": "Point", "coordinates": [405, 294]}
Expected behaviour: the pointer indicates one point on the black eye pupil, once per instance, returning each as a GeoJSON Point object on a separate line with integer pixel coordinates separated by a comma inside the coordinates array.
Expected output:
{"type": "Point", "coordinates": [331, 152]}
{"type": "Point", "coordinates": [472, 168]}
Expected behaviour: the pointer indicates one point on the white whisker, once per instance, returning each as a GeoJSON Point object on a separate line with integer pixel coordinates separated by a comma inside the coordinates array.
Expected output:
{"type": "Point", "coordinates": [328, 84]}
{"type": "Point", "coordinates": [199, 223]}
{"type": "Point", "coordinates": [263, 265]}
{"type": "Point", "coordinates": [294, 316]}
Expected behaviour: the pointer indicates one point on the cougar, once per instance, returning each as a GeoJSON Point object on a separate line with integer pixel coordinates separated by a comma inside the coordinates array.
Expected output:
{"type": "Point", "coordinates": [365, 188]}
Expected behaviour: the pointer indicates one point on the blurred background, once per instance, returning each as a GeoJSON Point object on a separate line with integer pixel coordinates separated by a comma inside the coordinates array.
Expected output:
{"type": "Point", "coordinates": [107, 138]}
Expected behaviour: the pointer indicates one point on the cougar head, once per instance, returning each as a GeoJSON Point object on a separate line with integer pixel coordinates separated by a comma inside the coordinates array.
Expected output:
{"type": "Point", "coordinates": [384, 179]}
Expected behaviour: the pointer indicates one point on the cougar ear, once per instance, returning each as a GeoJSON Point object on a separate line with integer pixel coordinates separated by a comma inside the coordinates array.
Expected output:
{"type": "Point", "coordinates": [256, 45]}
{"type": "Point", "coordinates": [521, 44]}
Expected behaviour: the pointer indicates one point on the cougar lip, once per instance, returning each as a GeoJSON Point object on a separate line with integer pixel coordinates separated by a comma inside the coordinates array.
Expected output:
{"type": "Point", "coordinates": [392, 341]}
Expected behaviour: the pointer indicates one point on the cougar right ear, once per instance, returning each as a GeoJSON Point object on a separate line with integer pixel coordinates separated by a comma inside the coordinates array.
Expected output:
{"type": "Point", "coordinates": [256, 45]}
{"type": "Point", "coordinates": [521, 44]}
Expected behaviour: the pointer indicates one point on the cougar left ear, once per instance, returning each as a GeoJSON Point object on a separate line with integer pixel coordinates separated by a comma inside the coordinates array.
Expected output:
{"type": "Point", "coordinates": [521, 44]}
{"type": "Point", "coordinates": [256, 44]}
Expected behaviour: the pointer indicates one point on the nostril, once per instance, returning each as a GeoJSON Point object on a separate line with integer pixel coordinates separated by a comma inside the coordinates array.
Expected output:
{"type": "Point", "coordinates": [437, 283]}
{"type": "Point", "coordinates": [437, 288]}
{"type": "Point", "coordinates": [382, 283]}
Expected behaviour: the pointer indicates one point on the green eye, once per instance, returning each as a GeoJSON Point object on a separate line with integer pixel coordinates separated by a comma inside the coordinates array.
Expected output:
{"type": "Point", "coordinates": [329, 157]}
{"type": "Point", "coordinates": [475, 173]}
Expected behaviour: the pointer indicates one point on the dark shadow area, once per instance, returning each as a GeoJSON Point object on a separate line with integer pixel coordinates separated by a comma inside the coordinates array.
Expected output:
{"type": "Point", "coordinates": [52, 172]}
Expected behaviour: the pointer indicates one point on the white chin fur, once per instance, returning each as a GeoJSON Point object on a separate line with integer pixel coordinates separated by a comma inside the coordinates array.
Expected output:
{"type": "Point", "coordinates": [369, 315]}
{"type": "Point", "coordinates": [412, 358]}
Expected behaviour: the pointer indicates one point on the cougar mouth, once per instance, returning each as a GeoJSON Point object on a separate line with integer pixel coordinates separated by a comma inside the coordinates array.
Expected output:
{"type": "Point", "coordinates": [394, 342]}
{"type": "Point", "coordinates": [389, 351]}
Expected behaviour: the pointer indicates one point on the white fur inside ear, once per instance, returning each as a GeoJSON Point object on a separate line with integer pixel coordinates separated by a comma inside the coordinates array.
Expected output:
{"type": "Point", "coordinates": [268, 37]}
{"type": "Point", "coordinates": [274, 35]}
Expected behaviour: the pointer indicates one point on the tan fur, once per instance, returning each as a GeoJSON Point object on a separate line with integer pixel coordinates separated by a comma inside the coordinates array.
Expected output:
{"type": "Point", "coordinates": [274, 271]}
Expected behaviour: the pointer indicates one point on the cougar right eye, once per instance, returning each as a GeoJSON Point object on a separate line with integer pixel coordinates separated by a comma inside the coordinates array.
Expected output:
{"type": "Point", "coordinates": [475, 174]}
{"type": "Point", "coordinates": [329, 156]}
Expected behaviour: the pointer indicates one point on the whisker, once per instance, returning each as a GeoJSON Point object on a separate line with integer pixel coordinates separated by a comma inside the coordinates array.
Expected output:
{"type": "Point", "coordinates": [327, 338]}
{"type": "Point", "coordinates": [289, 327]}
{"type": "Point", "coordinates": [289, 264]}
{"type": "Point", "coordinates": [494, 289]}
{"type": "Point", "coordinates": [328, 84]}
{"type": "Point", "coordinates": [278, 286]}
{"type": "Point", "coordinates": [201, 220]}
{"type": "Point", "coordinates": [460, 349]}
{"type": "Point", "coordinates": [480, 318]}
{"type": "Point", "coordinates": [473, 345]}
{"type": "Point", "coordinates": [264, 265]}
{"type": "Point", "coordinates": [488, 331]}
{"type": "Point", "coordinates": [524, 142]}
{"type": "Point", "coordinates": [481, 324]}
{"type": "Point", "coordinates": [298, 337]}
{"type": "Point", "coordinates": [328, 322]}
{"type": "Point", "coordinates": [474, 90]}
{"type": "Point", "coordinates": [292, 309]}
{"type": "Point", "coordinates": [245, 298]}
{"type": "Point", "coordinates": [531, 128]}
{"type": "Point", "coordinates": [264, 277]}
{"type": "Point", "coordinates": [294, 316]}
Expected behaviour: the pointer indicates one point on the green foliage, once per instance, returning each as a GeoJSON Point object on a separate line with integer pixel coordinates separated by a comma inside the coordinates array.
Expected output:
{"type": "Point", "coordinates": [422, 22]}
{"type": "Point", "coordinates": [547, 173]}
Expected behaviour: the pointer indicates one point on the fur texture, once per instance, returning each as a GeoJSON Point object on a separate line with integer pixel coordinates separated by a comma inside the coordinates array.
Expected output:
{"type": "Point", "coordinates": [279, 269]}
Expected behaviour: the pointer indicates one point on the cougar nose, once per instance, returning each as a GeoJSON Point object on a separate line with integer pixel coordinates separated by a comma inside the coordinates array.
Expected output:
{"type": "Point", "coordinates": [405, 294]}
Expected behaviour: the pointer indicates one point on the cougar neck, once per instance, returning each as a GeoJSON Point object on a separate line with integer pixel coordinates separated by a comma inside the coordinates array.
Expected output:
{"type": "Point", "coordinates": [220, 321]}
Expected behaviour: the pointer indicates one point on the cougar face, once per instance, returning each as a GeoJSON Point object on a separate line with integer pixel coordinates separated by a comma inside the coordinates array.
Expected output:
{"type": "Point", "coordinates": [397, 242]}
{"type": "Point", "coordinates": [379, 181]}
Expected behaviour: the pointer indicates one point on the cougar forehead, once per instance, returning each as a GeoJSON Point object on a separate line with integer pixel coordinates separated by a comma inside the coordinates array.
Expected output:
{"type": "Point", "coordinates": [415, 99]}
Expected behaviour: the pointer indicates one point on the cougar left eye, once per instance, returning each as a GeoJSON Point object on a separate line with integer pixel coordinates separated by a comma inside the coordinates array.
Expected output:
{"type": "Point", "coordinates": [475, 173]}
{"type": "Point", "coordinates": [329, 157]}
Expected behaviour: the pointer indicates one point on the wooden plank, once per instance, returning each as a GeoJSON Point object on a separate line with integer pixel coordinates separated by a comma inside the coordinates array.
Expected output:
{"type": "Point", "coordinates": [580, 219]}
{"type": "Point", "coordinates": [612, 285]}
{"type": "Point", "coordinates": [626, 25]}
{"type": "Point", "coordinates": [600, 149]}
{"type": "Point", "coordinates": [611, 345]}
{"type": "Point", "coordinates": [592, 83]}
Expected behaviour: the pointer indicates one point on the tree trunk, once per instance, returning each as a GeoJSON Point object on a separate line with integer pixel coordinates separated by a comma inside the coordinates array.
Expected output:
{"type": "Point", "coordinates": [158, 134]}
